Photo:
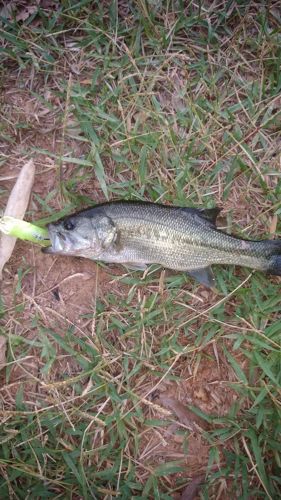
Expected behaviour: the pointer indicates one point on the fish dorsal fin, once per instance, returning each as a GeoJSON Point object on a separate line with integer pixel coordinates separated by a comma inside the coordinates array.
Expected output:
{"type": "Point", "coordinates": [204, 275]}
{"type": "Point", "coordinates": [208, 215]}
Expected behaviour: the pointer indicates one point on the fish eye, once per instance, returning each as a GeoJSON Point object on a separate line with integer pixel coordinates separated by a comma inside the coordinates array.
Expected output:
{"type": "Point", "coordinates": [68, 225]}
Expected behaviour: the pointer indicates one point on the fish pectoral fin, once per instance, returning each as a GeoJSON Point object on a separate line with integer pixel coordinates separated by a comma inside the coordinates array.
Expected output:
{"type": "Point", "coordinates": [204, 275]}
{"type": "Point", "coordinates": [135, 266]}
{"type": "Point", "coordinates": [107, 233]}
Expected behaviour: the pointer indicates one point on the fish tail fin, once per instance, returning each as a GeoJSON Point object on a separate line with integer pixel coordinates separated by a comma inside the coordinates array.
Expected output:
{"type": "Point", "coordinates": [275, 260]}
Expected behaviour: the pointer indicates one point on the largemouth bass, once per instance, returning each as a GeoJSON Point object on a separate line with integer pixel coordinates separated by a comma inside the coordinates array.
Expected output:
{"type": "Point", "coordinates": [139, 233]}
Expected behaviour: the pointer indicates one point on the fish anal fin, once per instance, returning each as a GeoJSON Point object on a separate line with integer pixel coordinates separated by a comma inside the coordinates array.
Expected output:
{"type": "Point", "coordinates": [135, 266]}
{"type": "Point", "coordinates": [204, 275]}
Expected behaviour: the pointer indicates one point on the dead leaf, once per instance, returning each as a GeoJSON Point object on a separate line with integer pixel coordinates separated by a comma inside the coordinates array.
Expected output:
{"type": "Point", "coordinates": [3, 342]}
{"type": "Point", "coordinates": [87, 81]}
{"type": "Point", "coordinates": [191, 491]}
{"type": "Point", "coordinates": [184, 415]}
{"type": "Point", "coordinates": [16, 207]}
{"type": "Point", "coordinates": [26, 12]}
{"type": "Point", "coordinates": [162, 282]}
{"type": "Point", "coordinates": [273, 224]}
{"type": "Point", "coordinates": [201, 394]}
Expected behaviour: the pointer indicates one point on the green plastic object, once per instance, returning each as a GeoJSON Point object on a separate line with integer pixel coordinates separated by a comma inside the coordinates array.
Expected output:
{"type": "Point", "coordinates": [24, 230]}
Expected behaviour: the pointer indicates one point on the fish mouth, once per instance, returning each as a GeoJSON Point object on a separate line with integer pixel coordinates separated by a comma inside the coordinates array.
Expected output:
{"type": "Point", "coordinates": [55, 247]}
{"type": "Point", "coordinates": [58, 243]}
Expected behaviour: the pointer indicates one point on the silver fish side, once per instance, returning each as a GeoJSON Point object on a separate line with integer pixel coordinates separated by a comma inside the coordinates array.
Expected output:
{"type": "Point", "coordinates": [137, 234]}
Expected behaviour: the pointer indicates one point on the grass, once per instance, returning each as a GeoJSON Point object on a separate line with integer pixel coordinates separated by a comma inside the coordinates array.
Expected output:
{"type": "Point", "coordinates": [166, 101]}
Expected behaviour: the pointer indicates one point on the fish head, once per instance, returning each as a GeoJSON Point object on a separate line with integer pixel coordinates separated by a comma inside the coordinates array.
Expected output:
{"type": "Point", "coordinates": [80, 235]}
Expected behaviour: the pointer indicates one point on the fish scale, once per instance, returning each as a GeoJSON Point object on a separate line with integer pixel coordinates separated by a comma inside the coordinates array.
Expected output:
{"type": "Point", "coordinates": [183, 239]}
{"type": "Point", "coordinates": [140, 233]}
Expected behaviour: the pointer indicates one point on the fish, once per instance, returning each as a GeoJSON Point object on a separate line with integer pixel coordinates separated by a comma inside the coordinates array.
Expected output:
{"type": "Point", "coordinates": [137, 234]}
